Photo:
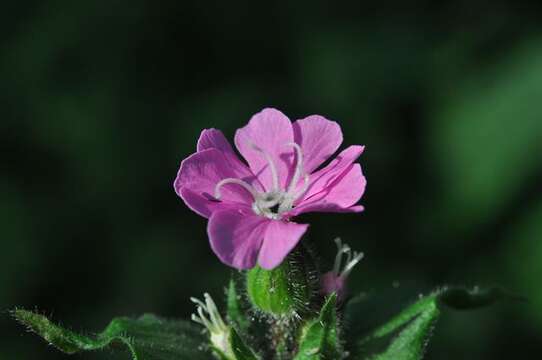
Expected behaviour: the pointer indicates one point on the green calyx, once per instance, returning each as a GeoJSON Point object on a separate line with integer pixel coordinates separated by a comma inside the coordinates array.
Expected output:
{"type": "Point", "coordinates": [285, 290]}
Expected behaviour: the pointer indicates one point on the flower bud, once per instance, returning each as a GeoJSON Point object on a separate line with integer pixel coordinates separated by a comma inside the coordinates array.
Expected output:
{"type": "Point", "coordinates": [285, 290]}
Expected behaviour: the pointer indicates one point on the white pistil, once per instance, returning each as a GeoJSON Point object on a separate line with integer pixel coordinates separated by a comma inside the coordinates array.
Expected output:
{"type": "Point", "coordinates": [298, 168]}
{"type": "Point", "coordinates": [352, 259]}
{"type": "Point", "coordinates": [339, 257]}
{"type": "Point", "coordinates": [264, 202]}
{"type": "Point", "coordinates": [239, 182]}
{"type": "Point", "coordinates": [304, 189]}
{"type": "Point", "coordinates": [272, 167]}
{"type": "Point", "coordinates": [351, 263]}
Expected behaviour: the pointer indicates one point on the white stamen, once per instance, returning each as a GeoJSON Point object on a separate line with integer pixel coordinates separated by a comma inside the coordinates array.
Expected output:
{"type": "Point", "coordinates": [239, 182]}
{"type": "Point", "coordinates": [350, 265]}
{"type": "Point", "coordinates": [270, 200]}
{"type": "Point", "coordinates": [290, 196]}
{"type": "Point", "coordinates": [272, 167]}
{"type": "Point", "coordinates": [264, 202]}
{"type": "Point", "coordinates": [298, 168]}
{"type": "Point", "coordinates": [348, 253]}
{"type": "Point", "coordinates": [339, 256]}
{"type": "Point", "coordinates": [352, 258]}
{"type": "Point", "coordinates": [304, 189]}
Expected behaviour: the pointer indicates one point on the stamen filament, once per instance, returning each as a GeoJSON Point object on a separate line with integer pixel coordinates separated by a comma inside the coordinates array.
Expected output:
{"type": "Point", "coordinates": [298, 167]}
{"type": "Point", "coordinates": [348, 254]}
{"type": "Point", "coordinates": [339, 256]}
{"type": "Point", "coordinates": [272, 167]}
{"type": "Point", "coordinates": [352, 258]}
{"type": "Point", "coordinates": [350, 265]}
{"type": "Point", "coordinates": [239, 182]}
{"type": "Point", "coordinates": [304, 189]}
{"type": "Point", "coordinates": [265, 200]}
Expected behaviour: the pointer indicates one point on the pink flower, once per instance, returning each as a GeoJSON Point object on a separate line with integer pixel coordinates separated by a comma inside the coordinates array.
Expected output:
{"type": "Point", "coordinates": [334, 281]}
{"type": "Point", "coordinates": [250, 207]}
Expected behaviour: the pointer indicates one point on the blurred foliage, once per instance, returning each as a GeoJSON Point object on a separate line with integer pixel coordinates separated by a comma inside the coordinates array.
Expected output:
{"type": "Point", "coordinates": [147, 337]}
{"type": "Point", "coordinates": [101, 101]}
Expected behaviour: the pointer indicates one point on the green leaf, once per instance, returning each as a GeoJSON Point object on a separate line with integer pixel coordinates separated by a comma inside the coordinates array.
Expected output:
{"type": "Point", "coordinates": [235, 312]}
{"type": "Point", "coordinates": [146, 338]}
{"type": "Point", "coordinates": [319, 339]}
{"type": "Point", "coordinates": [240, 349]}
{"type": "Point", "coordinates": [406, 335]}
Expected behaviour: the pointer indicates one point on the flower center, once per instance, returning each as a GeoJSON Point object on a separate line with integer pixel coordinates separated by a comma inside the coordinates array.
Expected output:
{"type": "Point", "coordinates": [275, 202]}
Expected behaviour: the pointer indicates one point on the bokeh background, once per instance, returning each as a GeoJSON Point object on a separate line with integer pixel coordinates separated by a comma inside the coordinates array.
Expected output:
{"type": "Point", "coordinates": [100, 101]}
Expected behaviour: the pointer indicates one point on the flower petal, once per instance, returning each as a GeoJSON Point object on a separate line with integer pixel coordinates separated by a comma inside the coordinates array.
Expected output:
{"type": "Point", "coordinates": [319, 138]}
{"type": "Point", "coordinates": [280, 238]}
{"type": "Point", "coordinates": [271, 131]}
{"type": "Point", "coordinates": [236, 236]}
{"type": "Point", "coordinates": [202, 205]}
{"type": "Point", "coordinates": [323, 178]}
{"type": "Point", "coordinates": [338, 196]}
{"type": "Point", "coordinates": [201, 171]}
{"type": "Point", "coordinates": [213, 139]}
{"type": "Point", "coordinates": [323, 207]}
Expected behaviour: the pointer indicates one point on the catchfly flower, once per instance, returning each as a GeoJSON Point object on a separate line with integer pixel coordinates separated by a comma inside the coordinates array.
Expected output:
{"type": "Point", "coordinates": [334, 281]}
{"type": "Point", "coordinates": [250, 208]}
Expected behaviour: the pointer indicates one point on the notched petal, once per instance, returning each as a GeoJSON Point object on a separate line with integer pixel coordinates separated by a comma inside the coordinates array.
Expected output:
{"type": "Point", "coordinates": [200, 173]}
{"type": "Point", "coordinates": [268, 131]}
{"type": "Point", "coordinates": [319, 138]}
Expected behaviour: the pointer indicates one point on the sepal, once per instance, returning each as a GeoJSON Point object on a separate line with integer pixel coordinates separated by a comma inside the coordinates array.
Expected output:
{"type": "Point", "coordinates": [287, 290]}
{"type": "Point", "coordinates": [320, 337]}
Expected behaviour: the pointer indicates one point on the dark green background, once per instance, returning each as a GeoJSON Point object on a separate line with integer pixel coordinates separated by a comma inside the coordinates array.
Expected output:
{"type": "Point", "coordinates": [100, 101]}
